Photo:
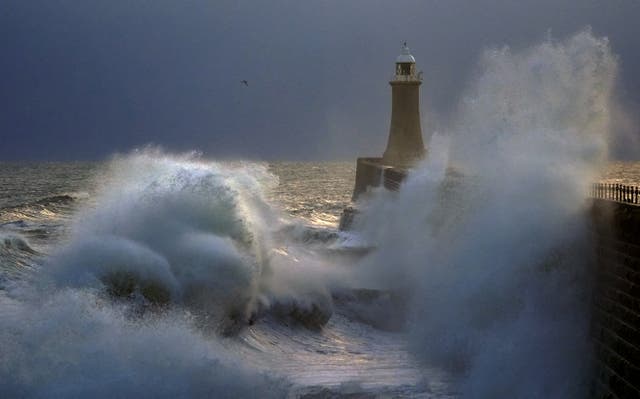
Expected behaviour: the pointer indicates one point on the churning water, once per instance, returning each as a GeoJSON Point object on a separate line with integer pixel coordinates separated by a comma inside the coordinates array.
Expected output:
{"type": "Point", "coordinates": [158, 275]}
{"type": "Point", "coordinates": [206, 250]}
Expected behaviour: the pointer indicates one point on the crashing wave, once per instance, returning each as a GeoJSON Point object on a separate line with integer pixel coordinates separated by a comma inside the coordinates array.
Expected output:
{"type": "Point", "coordinates": [175, 230]}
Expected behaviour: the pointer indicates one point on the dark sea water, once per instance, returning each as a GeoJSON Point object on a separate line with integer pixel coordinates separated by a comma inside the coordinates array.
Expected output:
{"type": "Point", "coordinates": [39, 199]}
{"type": "Point", "coordinates": [45, 207]}
{"type": "Point", "coordinates": [627, 173]}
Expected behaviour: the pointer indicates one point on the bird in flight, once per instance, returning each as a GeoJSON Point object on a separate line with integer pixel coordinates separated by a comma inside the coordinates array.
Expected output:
{"type": "Point", "coordinates": [244, 82]}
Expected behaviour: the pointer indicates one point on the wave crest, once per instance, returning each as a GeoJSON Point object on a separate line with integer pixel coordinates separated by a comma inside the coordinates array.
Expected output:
{"type": "Point", "coordinates": [196, 231]}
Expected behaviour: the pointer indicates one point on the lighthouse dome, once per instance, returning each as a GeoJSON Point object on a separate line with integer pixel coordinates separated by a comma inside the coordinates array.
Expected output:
{"type": "Point", "coordinates": [405, 56]}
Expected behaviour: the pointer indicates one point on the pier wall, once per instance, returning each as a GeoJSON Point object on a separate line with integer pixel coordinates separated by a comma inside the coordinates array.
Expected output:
{"type": "Point", "coordinates": [372, 172]}
{"type": "Point", "coordinates": [616, 321]}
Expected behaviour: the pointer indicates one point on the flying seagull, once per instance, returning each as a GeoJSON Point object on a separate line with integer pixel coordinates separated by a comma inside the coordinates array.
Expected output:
{"type": "Point", "coordinates": [244, 82]}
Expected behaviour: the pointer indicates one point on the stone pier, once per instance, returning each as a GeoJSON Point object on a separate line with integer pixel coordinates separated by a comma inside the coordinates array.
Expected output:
{"type": "Point", "coordinates": [616, 315]}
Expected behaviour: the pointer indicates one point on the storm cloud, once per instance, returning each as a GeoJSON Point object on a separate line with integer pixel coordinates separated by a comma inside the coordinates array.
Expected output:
{"type": "Point", "coordinates": [83, 79]}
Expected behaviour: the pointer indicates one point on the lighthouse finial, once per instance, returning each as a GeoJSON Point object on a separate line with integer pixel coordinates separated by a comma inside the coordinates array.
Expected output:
{"type": "Point", "coordinates": [405, 49]}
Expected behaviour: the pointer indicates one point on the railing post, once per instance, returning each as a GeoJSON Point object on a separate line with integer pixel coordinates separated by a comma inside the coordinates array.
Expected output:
{"type": "Point", "coordinates": [620, 192]}
{"type": "Point", "coordinates": [621, 195]}
{"type": "Point", "coordinates": [613, 191]}
{"type": "Point", "coordinates": [626, 194]}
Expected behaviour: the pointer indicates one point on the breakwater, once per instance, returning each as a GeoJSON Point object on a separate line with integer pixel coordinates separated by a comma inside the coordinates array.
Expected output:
{"type": "Point", "coordinates": [372, 172]}
{"type": "Point", "coordinates": [615, 216]}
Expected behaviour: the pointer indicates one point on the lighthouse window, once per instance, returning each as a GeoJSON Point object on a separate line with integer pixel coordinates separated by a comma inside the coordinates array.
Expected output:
{"type": "Point", "coordinates": [405, 69]}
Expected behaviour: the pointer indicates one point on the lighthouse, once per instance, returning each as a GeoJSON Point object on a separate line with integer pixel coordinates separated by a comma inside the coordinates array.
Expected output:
{"type": "Point", "coordinates": [405, 145]}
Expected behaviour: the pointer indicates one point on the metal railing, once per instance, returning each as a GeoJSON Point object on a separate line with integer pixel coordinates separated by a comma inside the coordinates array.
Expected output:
{"type": "Point", "coordinates": [407, 78]}
{"type": "Point", "coordinates": [616, 192]}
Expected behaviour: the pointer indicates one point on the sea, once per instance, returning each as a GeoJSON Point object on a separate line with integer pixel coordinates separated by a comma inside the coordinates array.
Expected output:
{"type": "Point", "coordinates": [63, 333]}
{"type": "Point", "coordinates": [47, 210]}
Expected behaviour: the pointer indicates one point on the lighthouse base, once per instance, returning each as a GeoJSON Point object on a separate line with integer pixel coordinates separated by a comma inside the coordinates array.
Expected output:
{"type": "Point", "coordinates": [371, 173]}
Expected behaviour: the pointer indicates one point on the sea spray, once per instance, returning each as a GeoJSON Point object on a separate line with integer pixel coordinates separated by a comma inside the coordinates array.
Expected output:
{"type": "Point", "coordinates": [73, 344]}
{"type": "Point", "coordinates": [199, 234]}
{"type": "Point", "coordinates": [171, 251]}
{"type": "Point", "coordinates": [195, 231]}
{"type": "Point", "coordinates": [495, 253]}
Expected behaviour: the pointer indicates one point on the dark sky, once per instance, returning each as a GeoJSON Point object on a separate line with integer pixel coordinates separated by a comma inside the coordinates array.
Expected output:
{"type": "Point", "coordinates": [82, 79]}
